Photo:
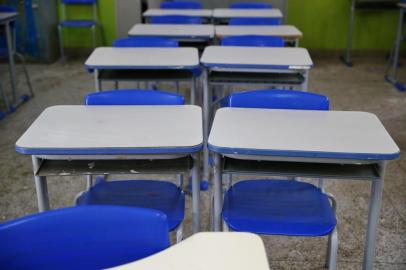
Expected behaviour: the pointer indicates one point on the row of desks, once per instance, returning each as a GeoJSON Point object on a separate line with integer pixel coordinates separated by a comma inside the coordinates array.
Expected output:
{"type": "Point", "coordinates": [218, 13]}
{"type": "Point", "coordinates": [207, 32]}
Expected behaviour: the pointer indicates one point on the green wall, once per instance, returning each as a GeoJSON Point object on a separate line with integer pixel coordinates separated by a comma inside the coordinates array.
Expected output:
{"type": "Point", "coordinates": [81, 38]}
{"type": "Point", "coordinates": [324, 24]}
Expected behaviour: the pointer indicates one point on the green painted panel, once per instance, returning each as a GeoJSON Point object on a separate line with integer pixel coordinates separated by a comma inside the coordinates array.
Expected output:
{"type": "Point", "coordinates": [81, 38]}
{"type": "Point", "coordinates": [324, 24]}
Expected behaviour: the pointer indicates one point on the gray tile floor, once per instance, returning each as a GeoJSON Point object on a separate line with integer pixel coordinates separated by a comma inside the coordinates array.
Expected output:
{"type": "Point", "coordinates": [359, 88]}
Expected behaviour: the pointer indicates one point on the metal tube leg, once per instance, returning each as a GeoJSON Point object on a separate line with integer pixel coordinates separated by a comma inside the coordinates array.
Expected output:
{"type": "Point", "coordinates": [332, 249]}
{"type": "Point", "coordinates": [116, 85]}
{"type": "Point", "coordinates": [89, 181]}
{"type": "Point", "coordinates": [217, 192]}
{"type": "Point", "coordinates": [347, 56]}
{"type": "Point", "coordinates": [373, 219]}
{"type": "Point", "coordinates": [177, 87]}
{"type": "Point", "coordinates": [11, 63]}
{"type": "Point", "coordinates": [193, 92]}
{"type": "Point", "coordinates": [306, 81]}
{"type": "Point", "coordinates": [94, 36]}
{"type": "Point", "coordinates": [40, 186]}
{"type": "Point", "coordinates": [61, 43]}
{"type": "Point", "coordinates": [179, 179]}
{"type": "Point", "coordinates": [206, 120]}
{"type": "Point", "coordinates": [196, 193]}
{"type": "Point", "coordinates": [395, 56]}
{"type": "Point", "coordinates": [179, 233]}
{"type": "Point", "coordinates": [27, 77]}
{"type": "Point", "coordinates": [97, 82]}
{"type": "Point", "coordinates": [3, 95]}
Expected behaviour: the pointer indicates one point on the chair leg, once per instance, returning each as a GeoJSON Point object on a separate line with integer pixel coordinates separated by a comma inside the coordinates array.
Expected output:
{"type": "Point", "coordinates": [27, 77]}
{"type": "Point", "coordinates": [177, 87]}
{"type": "Point", "coordinates": [179, 180]}
{"type": "Point", "coordinates": [61, 43]}
{"type": "Point", "coordinates": [225, 227]}
{"type": "Point", "coordinates": [332, 249]}
{"type": "Point", "coordinates": [94, 36]}
{"type": "Point", "coordinates": [116, 85]}
{"type": "Point", "coordinates": [179, 233]}
{"type": "Point", "coordinates": [89, 182]}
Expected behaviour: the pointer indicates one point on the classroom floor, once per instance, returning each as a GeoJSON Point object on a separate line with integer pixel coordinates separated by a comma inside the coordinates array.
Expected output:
{"type": "Point", "coordinates": [359, 88]}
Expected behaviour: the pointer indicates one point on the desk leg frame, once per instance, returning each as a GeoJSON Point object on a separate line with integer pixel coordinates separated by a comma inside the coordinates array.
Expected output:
{"type": "Point", "coordinates": [196, 193]}
{"type": "Point", "coordinates": [206, 124]}
{"type": "Point", "coordinates": [97, 82]}
{"type": "Point", "coordinates": [217, 192]}
{"type": "Point", "coordinates": [40, 186]}
{"type": "Point", "coordinates": [395, 56]}
{"type": "Point", "coordinates": [373, 218]}
{"type": "Point", "coordinates": [11, 64]}
{"type": "Point", "coordinates": [346, 58]}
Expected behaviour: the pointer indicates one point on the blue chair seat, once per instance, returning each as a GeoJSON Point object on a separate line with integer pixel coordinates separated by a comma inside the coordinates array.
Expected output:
{"type": "Point", "coordinates": [278, 207]}
{"type": "Point", "coordinates": [159, 195]}
{"type": "Point", "coordinates": [77, 23]}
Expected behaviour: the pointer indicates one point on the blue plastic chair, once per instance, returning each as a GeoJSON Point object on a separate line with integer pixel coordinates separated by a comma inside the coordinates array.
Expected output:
{"type": "Point", "coordinates": [160, 195]}
{"type": "Point", "coordinates": [181, 5]}
{"type": "Point", "coordinates": [255, 21]}
{"type": "Point", "coordinates": [281, 207]}
{"type": "Point", "coordinates": [69, 23]}
{"type": "Point", "coordinates": [253, 41]}
{"type": "Point", "coordinates": [86, 237]}
{"type": "Point", "coordinates": [145, 42]}
{"type": "Point", "coordinates": [4, 55]}
{"type": "Point", "coordinates": [242, 5]}
{"type": "Point", "coordinates": [176, 19]}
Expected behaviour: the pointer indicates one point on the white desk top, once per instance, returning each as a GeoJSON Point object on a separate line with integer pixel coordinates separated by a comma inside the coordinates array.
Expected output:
{"type": "Point", "coordinates": [173, 30]}
{"type": "Point", "coordinates": [7, 16]}
{"type": "Point", "coordinates": [286, 31]}
{"type": "Point", "coordinates": [209, 250]}
{"type": "Point", "coordinates": [256, 57]}
{"type": "Point", "coordinates": [187, 12]}
{"type": "Point", "coordinates": [241, 13]}
{"type": "Point", "coordinates": [298, 133]}
{"type": "Point", "coordinates": [83, 130]}
{"type": "Point", "coordinates": [143, 58]}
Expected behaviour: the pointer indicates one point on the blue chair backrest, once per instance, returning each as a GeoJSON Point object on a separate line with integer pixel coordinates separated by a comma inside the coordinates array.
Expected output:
{"type": "Point", "coordinates": [277, 99]}
{"type": "Point", "coordinates": [79, 2]}
{"type": "Point", "coordinates": [255, 21]}
{"type": "Point", "coordinates": [82, 237]}
{"type": "Point", "coordinates": [5, 8]}
{"type": "Point", "coordinates": [181, 5]}
{"type": "Point", "coordinates": [145, 42]}
{"type": "Point", "coordinates": [250, 5]}
{"type": "Point", "coordinates": [253, 41]}
{"type": "Point", "coordinates": [134, 97]}
{"type": "Point", "coordinates": [176, 19]}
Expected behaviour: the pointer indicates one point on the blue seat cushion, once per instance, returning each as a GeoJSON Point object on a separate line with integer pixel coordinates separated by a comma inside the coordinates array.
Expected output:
{"type": "Point", "coordinates": [78, 23]}
{"type": "Point", "coordinates": [278, 207]}
{"type": "Point", "coordinates": [158, 195]}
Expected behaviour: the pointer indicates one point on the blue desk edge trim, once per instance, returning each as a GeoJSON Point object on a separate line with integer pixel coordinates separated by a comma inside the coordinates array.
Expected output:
{"type": "Point", "coordinates": [304, 154]}
{"type": "Point", "coordinates": [110, 151]}
{"type": "Point", "coordinates": [214, 65]}
{"type": "Point", "coordinates": [91, 68]}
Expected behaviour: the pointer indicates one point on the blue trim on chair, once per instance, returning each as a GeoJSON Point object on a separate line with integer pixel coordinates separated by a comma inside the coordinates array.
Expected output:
{"type": "Point", "coordinates": [150, 42]}
{"type": "Point", "coordinates": [134, 97]}
{"type": "Point", "coordinates": [255, 21]}
{"type": "Point", "coordinates": [79, 2]}
{"type": "Point", "coordinates": [175, 19]}
{"type": "Point", "coordinates": [180, 5]}
{"type": "Point", "coordinates": [83, 237]}
{"type": "Point", "coordinates": [253, 40]}
{"type": "Point", "coordinates": [250, 5]}
{"type": "Point", "coordinates": [77, 23]}
{"type": "Point", "coordinates": [276, 99]}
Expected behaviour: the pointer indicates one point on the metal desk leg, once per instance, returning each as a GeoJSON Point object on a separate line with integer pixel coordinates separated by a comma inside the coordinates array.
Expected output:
{"type": "Point", "coordinates": [196, 193]}
{"type": "Point", "coordinates": [346, 58]}
{"type": "Point", "coordinates": [97, 82]}
{"type": "Point", "coordinates": [4, 97]}
{"type": "Point", "coordinates": [40, 186]}
{"type": "Point", "coordinates": [395, 60]}
{"type": "Point", "coordinates": [217, 192]}
{"type": "Point", "coordinates": [373, 219]}
{"type": "Point", "coordinates": [206, 124]}
{"type": "Point", "coordinates": [11, 64]}
{"type": "Point", "coordinates": [193, 91]}
{"type": "Point", "coordinates": [306, 80]}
